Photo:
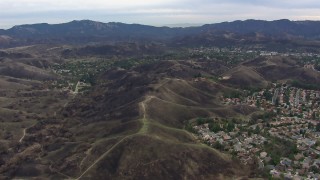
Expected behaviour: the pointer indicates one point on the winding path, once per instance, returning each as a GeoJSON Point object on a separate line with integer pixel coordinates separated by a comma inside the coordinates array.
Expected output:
{"type": "Point", "coordinates": [24, 134]}
{"type": "Point", "coordinates": [101, 157]}
{"type": "Point", "coordinates": [76, 89]}
{"type": "Point", "coordinates": [142, 130]}
{"type": "Point", "coordinates": [145, 122]}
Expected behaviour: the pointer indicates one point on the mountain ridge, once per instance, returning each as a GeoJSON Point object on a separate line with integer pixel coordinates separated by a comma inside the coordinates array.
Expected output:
{"type": "Point", "coordinates": [101, 28]}
{"type": "Point", "coordinates": [93, 32]}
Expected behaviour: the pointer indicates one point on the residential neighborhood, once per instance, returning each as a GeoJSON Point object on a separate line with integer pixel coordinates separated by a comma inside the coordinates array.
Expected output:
{"type": "Point", "coordinates": [283, 140]}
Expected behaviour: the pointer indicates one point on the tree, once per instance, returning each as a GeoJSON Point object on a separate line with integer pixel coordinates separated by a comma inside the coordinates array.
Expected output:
{"type": "Point", "coordinates": [267, 95]}
{"type": "Point", "coordinates": [200, 121]}
{"type": "Point", "coordinates": [218, 145]}
{"type": "Point", "coordinates": [198, 75]}
{"type": "Point", "coordinates": [258, 104]}
{"type": "Point", "coordinates": [230, 126]}
{"type": "Point", "coordinates": [257, 130]}
{"type": "Point", "coordinates": [275, 158]}
{"type": "Point", "coordinates": [190, 128]}
{"type": "Point", "coordinates": [310, 125]}
{"type": "Point", "coordinates": [314, 169]}
{"type": "Point", "coordinates": [214, 127]}
{"type": "Point", "coordinates": [314, 115]}
{"type": "Point", "coordinates": [277, 102]}
{"type": "Point", "coordinates": [318, 127]}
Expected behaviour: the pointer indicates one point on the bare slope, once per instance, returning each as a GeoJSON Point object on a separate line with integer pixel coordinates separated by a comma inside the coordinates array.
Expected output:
{"type": "Point", "coordinates": [244, 77]}
{"type": "Point", "coordinates": [260, 71]}
{"type": "Point", "coordinates": [283, 68]}
{"type": "Point", "coordinates": [129, 127]}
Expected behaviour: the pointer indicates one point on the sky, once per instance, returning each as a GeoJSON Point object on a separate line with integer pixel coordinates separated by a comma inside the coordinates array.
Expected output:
{"type": "Point", "coordinates": [154, 12]}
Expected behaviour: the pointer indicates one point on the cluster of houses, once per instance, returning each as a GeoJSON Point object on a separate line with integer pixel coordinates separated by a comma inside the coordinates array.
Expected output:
{"type": "Point", "coordinates": [248, 51]}
{"type": "Point", "coordinates": [68, 86]}
{"type": "Point", "coordinates": [272, 53]}
{"type": "Point", "coordinates": [249, 149]}
{"type": "Point", "coordinates": [302, 133]}
{"type": "Point", "coordinates": [242, 145]}
{"type": "Point", "coordinates": [309, 66]}
{"type": "Point", "coordinates": [284, 100]}
{"type": "Point", "coordinates": [296, 120]}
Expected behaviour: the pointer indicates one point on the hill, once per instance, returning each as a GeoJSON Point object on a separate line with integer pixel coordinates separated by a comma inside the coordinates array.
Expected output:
{"type": "Point", "coordinates": [30, 62]}
{"type": "Point", "coordinates": [283, 69]}
{"type": "Point", "coordinates": [259, 72]}
{"type": "Point", "coordinates": [131, 125]}
{"type": "Point", "coordinates": [87, 31]}
{"type": "Point", "coordinates": [244, 77]}
{"type": "Point", "coordinates": [279, 28]}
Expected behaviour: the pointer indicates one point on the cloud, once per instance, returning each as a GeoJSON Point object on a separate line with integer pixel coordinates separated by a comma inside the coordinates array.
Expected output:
{"type": "Point", "coordinates": [49, 5]}
{"type": "Point", "coordinates": [154, 12]}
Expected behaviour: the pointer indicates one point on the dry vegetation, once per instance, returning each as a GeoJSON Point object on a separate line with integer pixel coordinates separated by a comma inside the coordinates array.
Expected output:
{"type": "Point", "coordinates": [129, 125]}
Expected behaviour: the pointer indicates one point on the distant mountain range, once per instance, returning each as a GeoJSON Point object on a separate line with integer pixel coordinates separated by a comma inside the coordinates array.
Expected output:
{"type": "Point", "coordinates": [305, 29]}
{"type": "Point", "coordinates": [91, 31]}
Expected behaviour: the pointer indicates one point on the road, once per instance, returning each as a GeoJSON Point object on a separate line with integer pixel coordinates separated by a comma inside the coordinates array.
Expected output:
{"type": "Point", "coordinates": [275, 96]}
{"type": "Point", "coordinates": [297, 99]}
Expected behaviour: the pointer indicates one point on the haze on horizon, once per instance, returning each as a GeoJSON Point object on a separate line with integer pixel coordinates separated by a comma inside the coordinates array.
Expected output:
{"type": "Point", "coordinates": [154, 12]}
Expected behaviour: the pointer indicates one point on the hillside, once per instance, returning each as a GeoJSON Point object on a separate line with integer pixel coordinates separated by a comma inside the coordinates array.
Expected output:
{"type": "Point", "coordinates": [30, 62]}
{"type": "Point", "coordinates": [133, 109]}
{"type": "Point", "coordinates": [283, 68]}
{"type": "Point", "coordinates": [244, 77]}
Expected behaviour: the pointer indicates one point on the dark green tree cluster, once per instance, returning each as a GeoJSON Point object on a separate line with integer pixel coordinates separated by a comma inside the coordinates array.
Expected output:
{"type": "Point", "coordinates": [278, 148]}
{"type": "Point", "coordinates": [265, 116]}
{"type": "Point", "coordinates": [215, 127]}
{"type": "Point", "coordinates": [318, 127]}
{"type": "Point", "coordinates": [190, 128]}
{"type": "Point", "coordinates": [218, 145]}
{"type": "Point", "coordinates": [224, 126]}
{"type": "Point", "coordinates": [268, 95]}
{"type": "Point", "coordinates": [200, 121]}
{"type": "Point", "coordinates": [88, 78]}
